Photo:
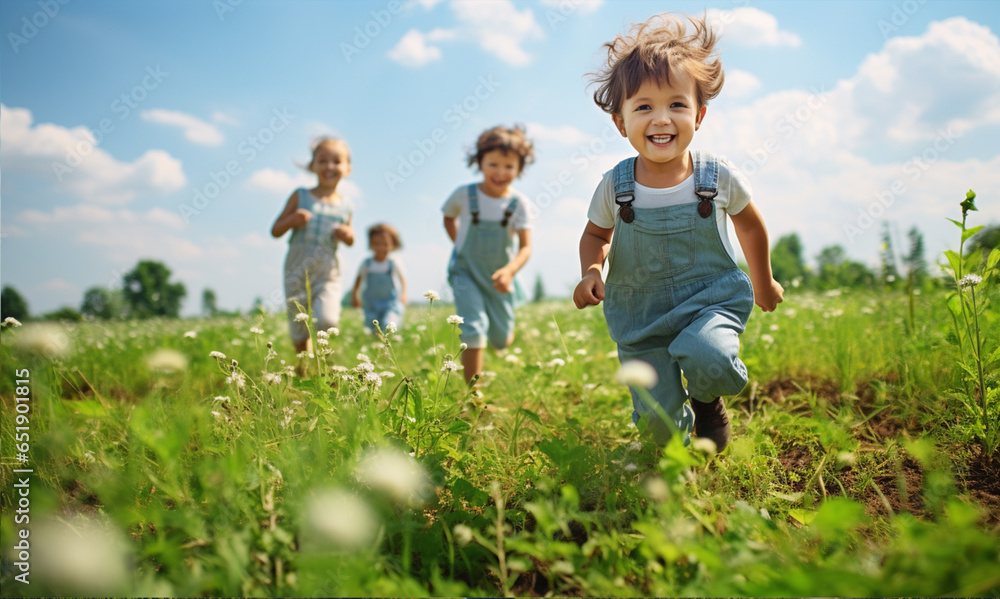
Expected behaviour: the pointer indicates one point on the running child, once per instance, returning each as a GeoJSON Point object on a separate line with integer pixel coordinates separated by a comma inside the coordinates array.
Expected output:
{"type": "Point", "coordinates": [380, 288]}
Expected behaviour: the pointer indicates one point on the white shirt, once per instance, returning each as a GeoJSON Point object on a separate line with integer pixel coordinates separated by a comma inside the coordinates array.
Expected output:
{"type": "Point", "coordinates": [734, 195]}
{"type": "Point", "coordinates": [490, 208]}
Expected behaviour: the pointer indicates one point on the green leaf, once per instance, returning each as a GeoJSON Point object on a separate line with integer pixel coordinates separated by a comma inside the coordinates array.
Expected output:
{"type": "Point", "coordinates": [802, 516]}
{"type": "Point", "coordinates": [955, 304]}
{"type": "Point", "coordinates": [970, 232]}
{"type": "Point", "coordinates": [793, 497]}
{"type": "Point", "coordinates": [957, 223]}
{"type": "Point", "coordinates": [88, 408]}
{"type": "Point", "coordinates": [838, 515]}
{"type": "Point", "coordinates": [993, 258]}
{"type": "Point", "coordinates": [530, 415]}
{"type": "Point", "coordinates": [954, 260]}
{"type": "Point", "coordinates": [969, 203]}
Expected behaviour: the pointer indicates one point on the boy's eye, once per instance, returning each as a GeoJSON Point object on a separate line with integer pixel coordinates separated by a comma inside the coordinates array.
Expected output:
{"type": "Point", "coordinates": [678, 105]}
{"type": "Point", "coordinates": [642, 107]}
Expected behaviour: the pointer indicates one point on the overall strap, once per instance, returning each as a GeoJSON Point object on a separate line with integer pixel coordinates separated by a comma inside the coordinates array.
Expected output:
{"type": "Point", "coordinates": [391, 264]}
{"type": "Point", "coordinates": [624, 176]}
{"type": "Point", "coordinates": [474, 203]}
{"type": "Point", "coordinates": [509, 211]}
{"type": "Point", "coordinates": [706, 180]}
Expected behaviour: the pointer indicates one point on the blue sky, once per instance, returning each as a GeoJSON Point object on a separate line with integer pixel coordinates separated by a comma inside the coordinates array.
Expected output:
{"type": "Point", "coordinates": [117, 115]}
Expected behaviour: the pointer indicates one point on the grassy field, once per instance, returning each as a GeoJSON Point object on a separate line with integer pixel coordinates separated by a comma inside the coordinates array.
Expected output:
{"type": "Point", "coordinates": [857, 467]}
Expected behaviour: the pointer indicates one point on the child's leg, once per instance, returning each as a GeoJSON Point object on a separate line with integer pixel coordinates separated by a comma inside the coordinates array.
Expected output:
{"type": "Point", "coordinates": [707, 351]}
{"type": "Point", "coordinates": [500, 312]}
{"type": "Point", "coordinates": [472, 362]}
{"type": "Point", "coordinates": [668, 394]}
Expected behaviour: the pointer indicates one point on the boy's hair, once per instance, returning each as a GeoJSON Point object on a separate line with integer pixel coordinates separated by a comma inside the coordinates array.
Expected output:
{"type": "Point", "coordinates": [506, 139]}
{"type": "Point", "coordinates": [650, 51]}
{"type": "Point", "coordinates": [382, 228]}
{"type": "Point", "coordinates": [327, 142]}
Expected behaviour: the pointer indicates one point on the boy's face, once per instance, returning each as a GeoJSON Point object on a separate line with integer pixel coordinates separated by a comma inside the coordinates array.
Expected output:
{"type": "Point", "coordinates": [381, 245]}
{"type": "Point", "coordinates": [660, 121]}
{"type": "Point", "coordinates": [499, 170]}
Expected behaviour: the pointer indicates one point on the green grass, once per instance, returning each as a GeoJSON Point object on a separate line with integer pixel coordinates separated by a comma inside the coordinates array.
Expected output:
{"type": "Point", "coordinates": [853, 471]}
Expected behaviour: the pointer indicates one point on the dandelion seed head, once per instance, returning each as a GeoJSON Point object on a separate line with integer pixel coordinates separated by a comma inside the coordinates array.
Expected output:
{"type": "Point", "coordinates": [636, 373]}
{"type": "Point", "coordinates": [396, 474]}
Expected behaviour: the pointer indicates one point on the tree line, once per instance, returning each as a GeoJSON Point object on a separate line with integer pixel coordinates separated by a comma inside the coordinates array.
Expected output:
{"type": "Point", "coordinates": [147, 291]}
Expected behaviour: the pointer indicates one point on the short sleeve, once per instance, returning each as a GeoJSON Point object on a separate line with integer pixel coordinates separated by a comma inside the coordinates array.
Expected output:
{"type": "Point", "coordinates": [602, 205]}
{"type": "Point", "coordinates": [363, 269]}
{"type": "Point", "coordinates": [738, 192]}
{"type": "Point", "coordinates": [398, 270]}
{"type": "Point", "coordinates": [454, 204]}
{"type": "Point", "coordinates": [523, 214]}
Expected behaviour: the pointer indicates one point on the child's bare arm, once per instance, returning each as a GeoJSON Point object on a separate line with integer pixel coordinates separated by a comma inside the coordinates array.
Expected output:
{"type": "Point", "coordinates": [344, 233]}
{"type": "Point", "coordinates": [356, 294]}
{"type": "Point", "coordinates": [292, 217]}
{"type": "Point", "coordinates": [594, 247]}
{"type": "Point", "coordinates": [451, 228]}
{"type": "Point", "coordinates": [752, 233]}
{"type": "Point", "coordinates": [503, 278]}
{"type": "Point", "coordinates": [402, 288]}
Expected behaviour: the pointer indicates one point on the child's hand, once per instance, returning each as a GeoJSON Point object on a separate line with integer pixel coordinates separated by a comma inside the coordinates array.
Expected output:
{"type": "Point", "coordinates": [768, 295]}
{"type": "Point", "coordinates": [503, 280]}
{"type": "Point", "coordinates": [589, 291]}
{"type": "Point", "coordinates": [300, 217]}
{"type": "Point", "coordinates": [344, 233]}
{"type": "Point", "coordinates": [355, 300]}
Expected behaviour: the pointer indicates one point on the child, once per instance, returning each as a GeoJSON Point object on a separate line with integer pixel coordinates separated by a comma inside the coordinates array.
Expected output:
{"type": "Point", "coordinates": [674, 297]}
{"type": "Point", "coordinates": [320, 219]}
{"type": "Point", "coordinates": [483, 263]}
{"type": "Point", "coordinates": [376, 289]}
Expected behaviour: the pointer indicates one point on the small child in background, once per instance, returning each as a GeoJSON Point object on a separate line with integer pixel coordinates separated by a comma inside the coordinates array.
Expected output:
{"type": "Point", "coordinates": [482, 220]}
{"type": "Point", "coordinates": [674, 297]}
{"type": "Point", "coordinates": [320, 219]}
{"type": "Point", "coordinates": [380, 289]}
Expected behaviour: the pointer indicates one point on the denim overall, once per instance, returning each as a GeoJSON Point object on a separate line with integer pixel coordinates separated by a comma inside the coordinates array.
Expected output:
{"type": "Point", "coordinates": [675, 298]}
{"type": "Point", "coordinates": [487, 313]}
{"type": "Point", "coordinates": [380, 298]}
{"type": "Point", "coordinates": [313, 250]}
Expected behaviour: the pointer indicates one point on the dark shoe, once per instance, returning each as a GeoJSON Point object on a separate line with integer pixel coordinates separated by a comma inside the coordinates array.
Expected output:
{"type": "Point", "coordinates": [711, 421]}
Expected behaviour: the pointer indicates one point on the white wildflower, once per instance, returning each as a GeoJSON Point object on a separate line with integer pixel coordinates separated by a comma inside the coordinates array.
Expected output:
{"type": "Point", "coordinates": [513, 359]}
{"type": "Point", "coordinates": [630, 467]}
{"type": "Point", "coordinates": [455, 319]}
{"type": "Point", "coordinates": [636, 373]}
{"type": "Point", "coordinates": [322, 341]}
{"type": "Point", "coordinates": [387, 374]}
{"type": "Point", "coordinates": [365, 367]}
{"type": "Point", "coordinates": [257, 330]}
{"type": "Point", "coordinates": [421, 328]}
{"type": "Point", "coordinates": [338, 368]}
{"type": "Point", "coordinates": [773, 327]}
{"type": "Point", "coordinates": [704, 445]}
{"type": "Point", "coordinates": [216, 414]}
{"type": "Point", "coordinates": [272, 378]}
{"type": "Point", "coordinates": [363, 357]}
{"type": "Point", "coordinates": [237, 379]}
{"type": "Point", "coordinates": [463, 534]}
{"type": "Point", "coordinates": [396, 474]}
{"type": "Point", "coordinates": [432, 295]}
{"type": "Point", "coordinates": [218, 355]}
{"type": "Point", "coordinates": [449, 366]}
{"type": "Point", "coordinates": [333, 331]}
{"type": "Point", "coordinates": [83, 556]}
{"type": "Point", "coordinates": [340, 518]}
{"type": "Point", "coordinates": [11, 322]}
{"type": "Point", "coordinates": [581, 352]}
{"type": "Point", "coordinates": [321, 334]}
{"type": "Point", "coordinates": [390, 328]}
{"type": "Point", "coordinates": [44, 339]}
{"type": "Point", "coordinates": [221, 398]}
{"type": "Point", "coordinates": [462, 347]}
{"type": "Point", "coordinates": [373, 379]}
{"type": "Point", "coordinates": [767, 339]}
{"type": "Point", "coordinates": [556, 363]}
{"type": "Point", "coordinates": [301, 317]}
{"type": "Point", "coordinates": [969, 281]}
{"type": "Point", "coordinates": [190, 334]}
{"type": "Point", "coordinates": [167, 361]}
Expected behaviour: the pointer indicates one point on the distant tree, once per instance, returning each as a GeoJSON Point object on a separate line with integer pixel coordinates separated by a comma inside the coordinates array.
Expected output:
{"type": "Point", "coordinates": [103, 303]}
{"type": "Point", "coordinates": [539, 289]}
{"type": "Point", "coordinates": [258, 306]}
{"type": "Point", "coordinates": [64, 313]}
{"type": "Point", "coordinates": [149, 292]}
{"type": "Point", "coordinates": [915, 262]}
{"type": "Point", "coordinates": [208, 303]}
{"type": "Point", "coordinates": [890, 272]}
{"type": "Point", "coordinates": [12, 304]}
{"type": "Point", "coordinates": [787, 263]}
{"type": "Point", "coordinates": [835, 270]}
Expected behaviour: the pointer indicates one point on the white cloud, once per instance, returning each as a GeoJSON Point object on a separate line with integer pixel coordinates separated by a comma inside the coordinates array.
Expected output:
{"type": "Point", "coordinates": [413, 49]}
{"type": "Point", "coordinates": [279, 182]}
{"type": "Point", "coordinates": [93, 214]}
{"type": "Point", "coordinates": [73, 158]}
{"type": "Point", "coordinates": [226, 119]}
{"type": "Point", "coordinates": [496, 25]}
{"type": "Point", "coordinates": [583, 7]}
{"type": "Point", "coordinates": [562, 134]}
{"type": "Point", "coordinates": [57, 285]}
{"type": "Point", "coordinates": [740, 84]}
{"type": "Point", "coordinates": [195, 130]}
{"type": "Point", "coordinates": [749, 26]}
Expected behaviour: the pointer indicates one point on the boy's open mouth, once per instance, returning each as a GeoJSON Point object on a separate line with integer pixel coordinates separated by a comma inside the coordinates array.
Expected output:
{"type": "Point", "coordinates": [661, 139]}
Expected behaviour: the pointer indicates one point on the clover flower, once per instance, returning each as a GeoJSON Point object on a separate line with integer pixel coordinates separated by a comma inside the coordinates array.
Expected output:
{"type": "Point", "coordinates": [969, 281]}
{"type": "Point", "coordinates": [636, 373]}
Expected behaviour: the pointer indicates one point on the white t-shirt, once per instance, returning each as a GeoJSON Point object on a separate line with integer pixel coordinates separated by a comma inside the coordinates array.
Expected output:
{"type": "Point", "coordinates": [490, 208]}
{"type": "Point", "coordinates": [734, 195]}
{"type": "Point", "coordinates": [376, 267]}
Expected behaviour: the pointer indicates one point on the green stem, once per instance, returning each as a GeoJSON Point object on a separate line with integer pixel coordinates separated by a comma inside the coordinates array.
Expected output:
{"type": "Point", "coordinates": [978, 345]}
